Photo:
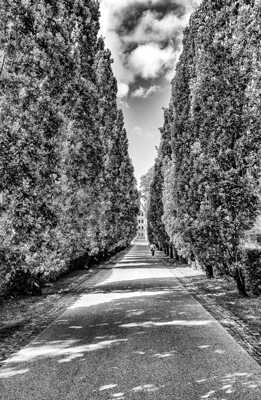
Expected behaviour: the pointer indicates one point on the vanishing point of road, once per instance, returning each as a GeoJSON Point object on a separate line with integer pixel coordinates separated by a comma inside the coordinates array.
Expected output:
{"type": "Point", "coordinates": [135, 334]}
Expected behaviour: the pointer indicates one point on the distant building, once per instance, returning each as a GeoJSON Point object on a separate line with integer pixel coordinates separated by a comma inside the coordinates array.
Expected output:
{"type": "Point", "coordinates": [142, 224]}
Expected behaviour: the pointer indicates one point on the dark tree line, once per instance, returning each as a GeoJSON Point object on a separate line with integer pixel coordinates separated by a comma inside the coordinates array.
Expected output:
{"type": "Point", "coordinates": [68, 191]}
{"type": "Point", "coordinates": [207, 187]}
{"type": "Point", "coordinates": [157, 232]}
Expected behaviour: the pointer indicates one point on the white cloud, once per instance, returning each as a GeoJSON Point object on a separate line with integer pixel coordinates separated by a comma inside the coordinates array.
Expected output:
{"type": "Point", "coordinates": [113, 42]}
{"type": "Point", "coordinates": [148, 60]}
{"type": "Point", "coordinates": [151, 29]}
{"type": "Point", "coordinates": [170, 74]}
{"type": "Point", "coordinates": [144, 93]}
{"type": "Point", "coordinates": [123, 90]}
{"type": "Point", "coordinates": [140, 92]}
{"type": "Point", "coordinates": [119, 4]}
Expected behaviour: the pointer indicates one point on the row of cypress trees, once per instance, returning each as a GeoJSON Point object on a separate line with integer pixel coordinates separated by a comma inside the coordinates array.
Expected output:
{"type": "Point", "coordinates": [67, 184]}
{"type": "Point", "coordinates": [207, 174]}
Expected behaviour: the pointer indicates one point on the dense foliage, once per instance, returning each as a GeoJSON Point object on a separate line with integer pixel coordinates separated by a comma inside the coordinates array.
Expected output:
{"type": "Point", "coordinates": [156, 230]}
{"type": "Point", "coordinates": [67, 187]}
{"type": "Point", "coordinates": [211, 181]}
{"type": "Point", "coordinates": [145, 182]}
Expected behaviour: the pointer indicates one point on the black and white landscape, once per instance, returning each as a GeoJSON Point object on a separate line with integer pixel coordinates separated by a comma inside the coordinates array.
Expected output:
{"type": "Point", "coordinates": [130, 218]}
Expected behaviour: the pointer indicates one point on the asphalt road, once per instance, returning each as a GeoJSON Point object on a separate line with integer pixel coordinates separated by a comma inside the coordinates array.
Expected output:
{"type": "Point", "coordinates": [135, 334]}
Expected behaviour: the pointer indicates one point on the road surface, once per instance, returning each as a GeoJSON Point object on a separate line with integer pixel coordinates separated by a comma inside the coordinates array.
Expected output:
{"type": "Point", "coordinates": [135, 334]}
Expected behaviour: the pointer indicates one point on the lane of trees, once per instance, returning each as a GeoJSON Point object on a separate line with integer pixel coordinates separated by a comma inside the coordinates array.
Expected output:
{"type": "Point", "coordinates": [67, 190]}
{"type": "Point", "coordinates": [205, 191]}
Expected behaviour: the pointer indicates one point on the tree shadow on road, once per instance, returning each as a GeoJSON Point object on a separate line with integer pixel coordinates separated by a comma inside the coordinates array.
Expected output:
{"type": "Point", "coordinates": [133, 337]}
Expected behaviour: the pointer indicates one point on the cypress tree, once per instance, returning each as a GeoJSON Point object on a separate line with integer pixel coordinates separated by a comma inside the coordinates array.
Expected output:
{"type": "Point", "coordinates": [107, 117]}
{"type": "Point", "coordinates": [145, 183]}
{"type": "Point", "coordinates": [31, 119]}
{"type": "Point", "coordinates": [156, 230]}
{"type": "Point", "coordinates": [58, 131]}
{"type": "Point", "coordinates": [83, 164]}
{"type": "Point", "coordinates": [213, 173]}
{"type": "Point", "coordinates": [127, 196]}
{"type": "Point", "coordinates": [119, 194]}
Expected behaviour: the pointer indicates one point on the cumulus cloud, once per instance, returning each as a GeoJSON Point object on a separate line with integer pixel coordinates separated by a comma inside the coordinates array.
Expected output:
{"type": "Point", "coordinates": [123, 90]}
{"type": "Point", "coordinates": [149, 60]}
{"type": "Point", "coordinates": [151, 29]}
{"type": "Point", "coordinates": [142, 92]}
{"type": "Point", "coordinates": [145, 37]}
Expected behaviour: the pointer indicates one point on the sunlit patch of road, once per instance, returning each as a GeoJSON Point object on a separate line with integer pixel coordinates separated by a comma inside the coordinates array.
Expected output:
{"type": "Point", "coordinates": [136, 334]}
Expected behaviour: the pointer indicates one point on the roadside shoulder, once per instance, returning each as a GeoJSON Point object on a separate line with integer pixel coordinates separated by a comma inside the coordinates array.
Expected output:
{"type": "Point", "coordinates": [23, 318]}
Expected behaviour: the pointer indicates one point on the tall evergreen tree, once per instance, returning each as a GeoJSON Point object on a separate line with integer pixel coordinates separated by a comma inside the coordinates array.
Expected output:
{"type": "Point", "coordinates": [127, 198]}
{"type": "Point", "coordinates": [156, 229]}
{"type": "Point", "coordinates": [84, 163]}
{"type": "Point", "coordinates": [145, 183]}
{"type": "Point", "coordinates": [214, 170]}
{"type": "Point", "coordinates": [107, 119]}
{"type": "Point", "coordinates": [58, 130]}
{"type": "Point", "coordinates": [32, 71]}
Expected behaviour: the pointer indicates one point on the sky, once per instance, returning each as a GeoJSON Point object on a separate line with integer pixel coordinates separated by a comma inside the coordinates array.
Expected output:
{"type": "Point", "coordinates": [145, 38]}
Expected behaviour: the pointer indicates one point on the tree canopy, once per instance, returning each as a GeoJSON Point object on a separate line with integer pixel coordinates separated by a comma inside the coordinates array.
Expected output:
{"type": "Point", "coordinates": [67, 185]}
{"type": "Point", "coordinates": [211, 180]}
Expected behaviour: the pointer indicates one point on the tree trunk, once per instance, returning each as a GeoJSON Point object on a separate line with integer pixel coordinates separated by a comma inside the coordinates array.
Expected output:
{"type": "Point", "coordinates": [171, 251]}
{"type": "Point", "coordinates": [3, 64]}
{"type": "Point", "coordinates": [209, 271]}
{"type": "Point", "coordinates": [240, 281]}
{"type": "Point", "coordinates": [166, 250]}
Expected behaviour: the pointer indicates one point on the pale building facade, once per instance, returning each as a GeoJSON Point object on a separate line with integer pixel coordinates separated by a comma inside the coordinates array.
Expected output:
{"type": "Point", "coordinates": [142, 225]}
